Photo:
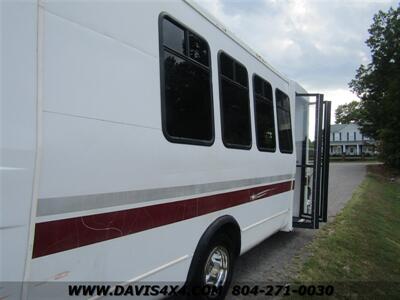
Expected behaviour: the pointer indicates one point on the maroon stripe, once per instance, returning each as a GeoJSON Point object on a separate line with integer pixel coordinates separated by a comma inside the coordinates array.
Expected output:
{"type": "Point", "coordinates": [60, 235]}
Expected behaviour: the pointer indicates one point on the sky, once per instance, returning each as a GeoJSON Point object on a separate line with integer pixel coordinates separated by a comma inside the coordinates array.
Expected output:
{"type": "Point", "coordinates": [318, 43]}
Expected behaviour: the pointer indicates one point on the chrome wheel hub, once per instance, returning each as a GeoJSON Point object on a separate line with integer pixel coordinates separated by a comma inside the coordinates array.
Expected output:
{"type": "Point", "coordinates": [217, 267]}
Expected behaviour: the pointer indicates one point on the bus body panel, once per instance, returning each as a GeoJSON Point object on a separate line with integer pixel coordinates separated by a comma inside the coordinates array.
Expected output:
{"type": "Point", "coordinates": [102, 141]}
{"type": "Point", "coordinates": [18, 135]}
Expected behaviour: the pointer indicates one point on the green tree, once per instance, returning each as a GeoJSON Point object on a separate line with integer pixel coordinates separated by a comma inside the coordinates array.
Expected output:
{"type": "Point", "coordinates": [378, 85]}
{"type": "Point", "coordinates": [348, 113]}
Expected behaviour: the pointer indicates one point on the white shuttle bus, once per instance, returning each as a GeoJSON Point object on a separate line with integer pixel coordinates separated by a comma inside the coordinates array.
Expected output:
{"type": "Point", "coordinates": [141, 141]}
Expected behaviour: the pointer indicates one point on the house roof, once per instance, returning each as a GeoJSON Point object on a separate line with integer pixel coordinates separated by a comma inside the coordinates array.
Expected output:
{"type": "Point", "coordinates": [337, 127]}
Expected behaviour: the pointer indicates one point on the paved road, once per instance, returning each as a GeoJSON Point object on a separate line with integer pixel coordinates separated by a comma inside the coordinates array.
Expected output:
{"type": "Point", "coordinates": [271, 260]}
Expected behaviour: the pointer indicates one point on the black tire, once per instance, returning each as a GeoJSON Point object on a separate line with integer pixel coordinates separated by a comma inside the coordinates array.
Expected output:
{"type": "Point", "coordinates": [196, 277]}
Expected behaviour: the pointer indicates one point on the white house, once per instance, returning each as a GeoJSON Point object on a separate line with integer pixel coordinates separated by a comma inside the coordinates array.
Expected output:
{"type": "Point", "coordinates": [346, 139]}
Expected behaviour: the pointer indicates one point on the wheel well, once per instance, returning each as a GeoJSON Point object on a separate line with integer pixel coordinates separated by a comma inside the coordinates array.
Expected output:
{"type": "Point", "coordinates": [233, 231]}
{"type": "Point", "coordinates": [223, 225]}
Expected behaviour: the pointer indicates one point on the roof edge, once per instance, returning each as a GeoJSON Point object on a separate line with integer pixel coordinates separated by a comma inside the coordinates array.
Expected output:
{"type": "Point", "coordinates": [234, 38]}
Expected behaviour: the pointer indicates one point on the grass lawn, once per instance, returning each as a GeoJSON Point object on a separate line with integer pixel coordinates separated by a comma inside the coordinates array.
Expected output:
{"type": "Point", "coordinates": [359, 252]}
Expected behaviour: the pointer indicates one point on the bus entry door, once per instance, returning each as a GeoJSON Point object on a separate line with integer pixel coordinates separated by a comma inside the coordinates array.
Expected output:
{"type": "Point", "coordinates": [310, 205]}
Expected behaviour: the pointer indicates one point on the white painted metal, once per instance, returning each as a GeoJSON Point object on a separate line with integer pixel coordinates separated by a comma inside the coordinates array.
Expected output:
{"type": "Point", "coordinates": [97, 89]}
{"type": "Point", "coordinates": [18, 129]}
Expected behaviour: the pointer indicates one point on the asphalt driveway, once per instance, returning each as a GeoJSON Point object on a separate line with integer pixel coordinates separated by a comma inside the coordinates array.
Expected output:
{"type": "Point", "coordinates": [271, 260]}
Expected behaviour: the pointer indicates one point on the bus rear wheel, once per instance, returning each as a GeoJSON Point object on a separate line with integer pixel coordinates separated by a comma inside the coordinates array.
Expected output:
{"type": "Point", "coordinates": [212, 269]}
{"type": "Point", "coordinates": [217, 267]}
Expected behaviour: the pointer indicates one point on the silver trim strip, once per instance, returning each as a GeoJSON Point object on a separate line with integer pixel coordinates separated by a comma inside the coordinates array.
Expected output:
{"type": "Point", "coordinates": [61, 205]}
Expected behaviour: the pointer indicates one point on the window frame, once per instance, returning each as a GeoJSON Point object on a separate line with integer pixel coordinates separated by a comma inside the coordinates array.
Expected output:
{"type": "Point", "coordinates": [291, 124]}
{"type": "Point", "coordinates": [262, 149]}
{"type": "Point", "coordinates": [220, 78]}
{"type": "Point", "coordinates": [162, 47]}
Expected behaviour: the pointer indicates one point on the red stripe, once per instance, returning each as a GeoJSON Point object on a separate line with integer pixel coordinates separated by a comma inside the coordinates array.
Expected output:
{"type": "Point", "coordinates": [65, 234]}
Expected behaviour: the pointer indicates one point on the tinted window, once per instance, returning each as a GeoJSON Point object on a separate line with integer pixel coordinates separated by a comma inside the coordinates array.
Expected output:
{"type": "Point", "coordinates": [226, 65]}
{"type": "Point", "coordinates": [235, 112]}
{"type": "Point", "coordinates": [235, 106]}
{"type": "Point", "coordinates": [187, 99]}
{"type": "Point", "coordinates": [241, 75]}
{"type": "Point", "coordinates": [258, 85]}
{"type": "Point", "coordinates": [284, 122]}
{"type": "Point", "coordinates": [186, 89]}
{"type": "Point", "coordinates": [174, 37]}
{"type": "Point", "coordinates": [198, 49]}
{"type": "Point", "coordinates": [264, 115]}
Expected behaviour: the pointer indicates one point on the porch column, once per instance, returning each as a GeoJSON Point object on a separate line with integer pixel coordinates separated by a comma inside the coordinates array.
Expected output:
{"type": "Point", "coordinates": [358, 150]}
{"type": "Point", "coordinates": [343, 149]}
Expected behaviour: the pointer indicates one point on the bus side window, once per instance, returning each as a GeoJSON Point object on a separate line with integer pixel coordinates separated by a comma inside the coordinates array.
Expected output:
{"type": "Point", "coordinates": [235, 104]}
{"type": "Point", "coordinates": [264, 114]}
{"type": "Point", "coordinates": [284, 122]}
{"type": "Point", "coordinates": [187, 107]}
